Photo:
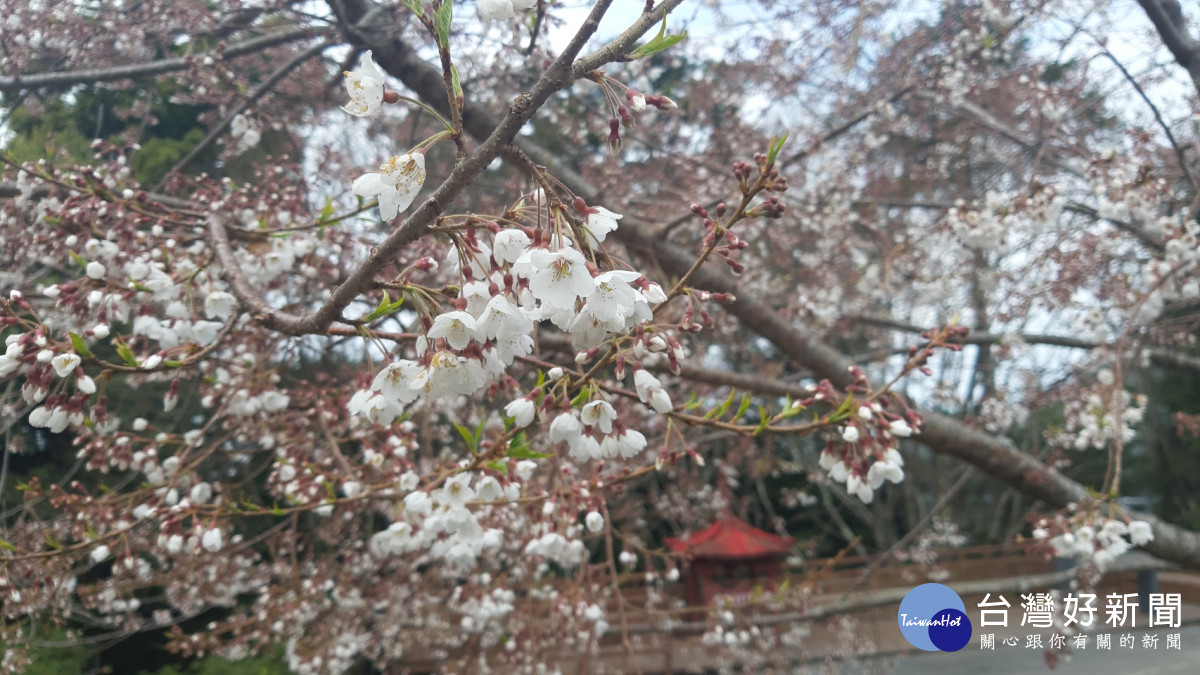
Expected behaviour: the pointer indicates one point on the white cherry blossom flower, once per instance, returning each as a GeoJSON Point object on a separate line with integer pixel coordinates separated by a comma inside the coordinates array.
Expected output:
{"type": "Point", "coordinates": [1140, 532]}
{"type": "Point", "coordinates": [397, 183]}
{"type": "Point", "coordinates": [450, 374]}
{"type": "Point", "coordinates": [458, 328]}
{"type": "Point", "coordinates": [601, 221]}
{"type": "Point", "coordinates": [220, 305]}
{"type": "Point", "coordinates": [613, 296]}
{"type": "Point", "coordinates": [396, 381]}
{"type": "Point", "coordinates": [850, 434]}
{"type": "Point", "coordinates": [489, 489]}
{"type": "Point", "coordinates": [365, 87]}
{"type": "Point", "coordinates": [654, 293]}
{"type": "Point", "coordinates": [630, 443]}
{"type": "Point", "coordinates": [599, 414]}
{"type": "Point", "coordinates": [594, 521]}
{"type": "Point", "coordinates": [212, 540]}
{"type": "Point", "coordinates": [85, 385]}
{"type": "Point", "coordinates": [566, 427]}
{"type": "Point", "coordinates": [661, 401]}
{"type": "Point", "coordinates": [585, 448]}
{"type": "Point", "coordinates": [65, 364]}
{"type": "Point", "coordinates": [100, 553]}
{"type": "Point", "coordinates": [900, 429]}
{"type": "Point", "coordinates": [501, 10]}
{"type": "Point", "coordinates": [521, 410]}
{"type": "Point", "coordinates": [855, 485]}
{"type": "Point", "coordinates": [377, 408]}
{"type": "Point", "coordinates": [560, 277]}
{"type": "Point", "coordinates": [502, 317]}
{"type": "Point", "coordinates": [508, 245]}
{"type": "Point", "coordinates": [884, 470]}
{"type": "Point", "coordinates": [525, 469]}
{"type": "Point", "coordinates": [455, 492]}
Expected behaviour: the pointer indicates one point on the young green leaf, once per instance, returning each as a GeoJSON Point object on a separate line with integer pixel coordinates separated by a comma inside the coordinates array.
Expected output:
{"type": "Point", "coordinates": [660, 42]}
{"type": "Point", "coordinates": [80, 346]}
{"type": "Point", "coordinates": [775, 147]}
{"type": "Point", "coordinates": [442, 20]}
{"type": "Point", "coordinates": [466, 434]}
{"type": "Point", "coordinates": [458, 92]}
{"type": "Point", "coordinates": [386, 307]}
{"type": "Point", "coordinates": [126, 354]}
{"type": "Point", "coordinates": [526, 453]}
{"type": "Point", "coordinates": [742, 407]}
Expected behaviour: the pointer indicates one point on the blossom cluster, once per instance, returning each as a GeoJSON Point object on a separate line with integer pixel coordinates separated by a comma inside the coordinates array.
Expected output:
{"type": "Point", "coordinates": [864, 454]}
{"type": "Point", "coordinates": [1090, 537]}
{"type": "Point", "coordinates": [1101, 415]}
{"type": "Point", "coordinates": [509, 287]}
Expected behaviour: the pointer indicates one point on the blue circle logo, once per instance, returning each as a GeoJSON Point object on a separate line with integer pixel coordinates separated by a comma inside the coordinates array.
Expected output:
{"type": "Point", "coordinates": [932, 617]}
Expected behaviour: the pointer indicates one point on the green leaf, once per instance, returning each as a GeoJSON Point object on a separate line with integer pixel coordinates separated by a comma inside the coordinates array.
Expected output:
{"type": "Point", "coordinates": [126, 354]}
{"type": "Point", "coordinates": [466, 434]}
{"type": "Point", "coordinates": [742, 407]}
{"type": "Point", "coordinates": [386, 307]}
{"type": "Point", "coordinates": [843, 410]}
{"type": "Point", "coordinates": [582, 397]}
{"type": "Point", "coordinates": [790, 408]}
{"type": "Point", "coordinates": [80, 346]}
{"type": "Point", "coordinates": [526, 453]}
{"type": "Point", "coordinates": [323, 219]}
{"type": "Point", "coordinates": [775, 147]}
{"type": "Point", "coordinates": [498, 465]}
{"type": "Point", "coordinates": [719, 411]}
{"type": "Point", "coordinates": [458, 92]}
{"type": "Point", "coordinates": [764, 421]}
{"type": "Point", "coordinates": [173, 364]}
{"type": "Point", "coordinates": [7, 546]}
{"type": "Point", "coordinates": [442, 20]}
{"type": "Point", "coordinates": [693, 403]}
{"type": "Point", "coordinates": [659, 43]}
{"type": "Point", "coordinates": [415, 6]}
{"type": "Point", "coordinates": [518, 440]}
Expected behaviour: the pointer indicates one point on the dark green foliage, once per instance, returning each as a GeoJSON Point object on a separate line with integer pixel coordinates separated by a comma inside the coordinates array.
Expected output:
{"type": "Point", "coordinates": [67, 125]}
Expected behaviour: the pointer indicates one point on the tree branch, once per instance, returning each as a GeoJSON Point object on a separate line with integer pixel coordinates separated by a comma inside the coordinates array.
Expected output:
{"type": "Point", "coordinates": [1158, 355]}
{"type": "Point", "coordinates": [70, 78]}
{"type": "Point", "coordinates": [397, 58]}
{"type": "Point", "coordinates": [1168, 20]}
{"type": "Point", "coordinates": [259, 91]}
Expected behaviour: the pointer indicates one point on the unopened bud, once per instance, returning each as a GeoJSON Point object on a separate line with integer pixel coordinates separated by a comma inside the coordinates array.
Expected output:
{"type": "Point", "coordinates": [391, 96]}
{"type": "Point", "coordinates": [662, 103]}
{"type": "Point", "coordinates": [614, 135]}
{"type": "Point", "coordinates": [625, 115]}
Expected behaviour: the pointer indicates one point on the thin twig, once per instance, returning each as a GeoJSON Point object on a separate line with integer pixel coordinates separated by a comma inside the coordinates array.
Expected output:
{"type": "Point", "coordinates": [259, 91]}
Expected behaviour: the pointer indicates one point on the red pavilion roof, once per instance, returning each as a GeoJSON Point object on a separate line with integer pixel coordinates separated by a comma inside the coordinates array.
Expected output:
{"type": "Point", "coordinates": [731, 539]}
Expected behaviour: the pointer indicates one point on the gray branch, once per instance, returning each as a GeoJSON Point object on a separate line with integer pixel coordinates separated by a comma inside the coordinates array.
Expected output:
{"type": "Point", "coordinates": [70, 78]}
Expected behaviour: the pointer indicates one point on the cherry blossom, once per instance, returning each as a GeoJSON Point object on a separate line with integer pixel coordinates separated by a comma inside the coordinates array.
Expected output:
{"type": "Point", "coordinates": [396, 185]}
{"type": "Point", "coordinates": [365, 87]}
